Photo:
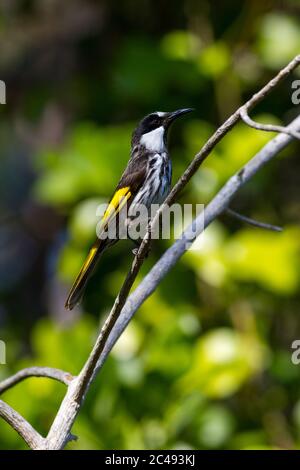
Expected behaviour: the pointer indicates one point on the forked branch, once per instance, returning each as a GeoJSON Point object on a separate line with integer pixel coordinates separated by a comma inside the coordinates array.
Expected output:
{"type": "Point", "coordinates": [124, 308]}
{"type": "Point", "coordinates": [23, 374]}
{"type": "Point", "coordinates": [266, 127]}
{"type": "Point", "coordinates": [23, 428]}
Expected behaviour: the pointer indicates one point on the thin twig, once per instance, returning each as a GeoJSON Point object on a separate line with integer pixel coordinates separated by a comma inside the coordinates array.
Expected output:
{"type": "Point", "coordinates": [23, 374]}
{"type": "Point", "coordinates": [255, 223]}
{"type": "Point", "coordinates": [266, 127]}
{"type": "Point", "coordinates": [88, 370]}
{"type": "Point", "coordinates": [19, 424]}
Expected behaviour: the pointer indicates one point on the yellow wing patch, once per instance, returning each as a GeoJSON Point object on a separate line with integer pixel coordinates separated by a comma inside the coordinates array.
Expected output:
{"type": "Point", "coordinates": [118, 200]}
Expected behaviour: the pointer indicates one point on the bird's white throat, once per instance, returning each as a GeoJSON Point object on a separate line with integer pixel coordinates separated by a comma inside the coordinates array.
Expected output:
{"type": "Point", "coordinates": [154, 140]}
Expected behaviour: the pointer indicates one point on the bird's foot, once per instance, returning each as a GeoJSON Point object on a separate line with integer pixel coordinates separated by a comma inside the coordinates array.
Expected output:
{"type": "Point", "coordinates": [136, 249]}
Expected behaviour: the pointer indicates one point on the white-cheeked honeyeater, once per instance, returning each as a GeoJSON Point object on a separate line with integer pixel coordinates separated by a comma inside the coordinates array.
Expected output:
{"type": "Point", "coordinates": [145, 181]}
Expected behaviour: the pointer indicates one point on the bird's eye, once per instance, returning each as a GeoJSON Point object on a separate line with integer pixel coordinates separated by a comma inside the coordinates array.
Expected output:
{"type": "Point", "coordinates": [150, 123]}
{"type": "Point", "coordinates": [155, 121]}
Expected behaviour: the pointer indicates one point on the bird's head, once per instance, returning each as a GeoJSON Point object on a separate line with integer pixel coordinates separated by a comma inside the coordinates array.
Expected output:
{"type": "Point", "coordinates": [152, 130]}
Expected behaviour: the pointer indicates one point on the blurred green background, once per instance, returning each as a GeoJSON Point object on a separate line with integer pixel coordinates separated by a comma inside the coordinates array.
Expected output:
{"type": "Point", "coordinates": [206, 363]}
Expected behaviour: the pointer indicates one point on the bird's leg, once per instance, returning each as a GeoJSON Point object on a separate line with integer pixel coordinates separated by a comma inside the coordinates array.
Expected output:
{"type": "Point", "coordinates": [137, 245]}
{"type": "Point", "coordinates": [136, 249]}
{"type": "Point", "coordinates": [138, 242]}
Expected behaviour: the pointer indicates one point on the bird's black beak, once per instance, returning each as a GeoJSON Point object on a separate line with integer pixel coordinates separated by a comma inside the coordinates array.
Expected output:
{"type": "Point", "coordinates": [175, 114]}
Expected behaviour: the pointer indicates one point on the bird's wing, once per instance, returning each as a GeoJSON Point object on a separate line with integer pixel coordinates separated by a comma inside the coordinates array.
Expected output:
{"type": "Point", "coordinates": [127, 188]}
{"type": "Point", "coordinates": [130, 182]}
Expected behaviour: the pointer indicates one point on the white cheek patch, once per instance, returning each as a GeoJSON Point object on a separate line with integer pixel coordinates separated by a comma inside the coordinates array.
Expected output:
{"type": "Point", "coordinates": [160, 114]}
{"type": "Point", "coordinates": [154, 140]}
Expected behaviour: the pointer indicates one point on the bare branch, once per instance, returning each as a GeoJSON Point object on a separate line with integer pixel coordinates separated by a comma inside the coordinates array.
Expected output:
{"type": "Point", "coordinates": [218, 205]}
{"type": "Point", "coordinates": [19, 424]}
{"type": "Point", "coordinates": [89, 372]}
{"type": "Point", "coordinates": [255, 223]}
{"type": "Point", "coordinates": [23, 374]}
{"type": "Point", "coordinates": [266, 127]}
{"type": "Point", "coordinates": [115, 324]}
{"type": "Point", "coordinates": [123, 309]}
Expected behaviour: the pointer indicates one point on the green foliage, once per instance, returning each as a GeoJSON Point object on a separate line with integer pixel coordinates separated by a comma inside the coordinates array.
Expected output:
{"type": "Point", "coordinates": [279, 39]}
{"type": "Point", "coordinates": [86, 164]}
{"type": "Point", "coordinates": [223, 361]}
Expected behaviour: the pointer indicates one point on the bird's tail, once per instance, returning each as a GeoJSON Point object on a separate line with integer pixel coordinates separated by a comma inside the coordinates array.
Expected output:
{"type": "Point", "coordinates": [118, 201]}
{"type": "Point", "coordinates": [79, 285]}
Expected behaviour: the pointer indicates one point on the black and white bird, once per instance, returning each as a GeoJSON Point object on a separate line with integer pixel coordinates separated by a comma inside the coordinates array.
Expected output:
{"type": "Point", "coordinates": [145, 181]}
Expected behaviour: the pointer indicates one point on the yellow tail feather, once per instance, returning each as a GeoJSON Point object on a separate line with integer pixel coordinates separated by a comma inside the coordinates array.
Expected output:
{"type": "Point", "coordinates": [117, 202]}
{"type": "Point", "coordinates": [78, 287]}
